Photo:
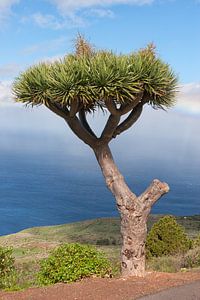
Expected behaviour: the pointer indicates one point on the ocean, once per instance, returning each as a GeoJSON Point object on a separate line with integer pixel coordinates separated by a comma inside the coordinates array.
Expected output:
{"type": "Point", "coordinates": [38, 190]}
{"type": "Point", "coordinates": [47, 178]}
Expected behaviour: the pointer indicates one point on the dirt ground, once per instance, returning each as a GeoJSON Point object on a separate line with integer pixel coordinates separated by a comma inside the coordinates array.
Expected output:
{"type": "Point", "coordinates": [105, 288]}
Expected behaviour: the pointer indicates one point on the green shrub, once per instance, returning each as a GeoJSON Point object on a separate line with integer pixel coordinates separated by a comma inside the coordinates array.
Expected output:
{"type": "Point", "coordinates": [196, 242]}
{"type": "Point", "coordinates": [7, 268]}
{"type": "Point", "coordinates": [71, 262]}
{"type": "Point", "coordinates": [167, 237]}
{"type": "Point", "coordinates": [192, 258]}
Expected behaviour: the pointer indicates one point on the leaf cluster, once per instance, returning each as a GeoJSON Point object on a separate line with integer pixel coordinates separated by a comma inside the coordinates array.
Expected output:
{"type": "Point", "coordinates": [71, 262]}
{"type": "Point", "coordinates": [92, 77]}
{"type": "Point", "coordinates": [167, 237]}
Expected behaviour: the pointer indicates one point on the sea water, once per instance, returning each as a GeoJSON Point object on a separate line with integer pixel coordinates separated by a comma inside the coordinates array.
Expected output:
{"type": "Point", "coordinates": [48, 176]}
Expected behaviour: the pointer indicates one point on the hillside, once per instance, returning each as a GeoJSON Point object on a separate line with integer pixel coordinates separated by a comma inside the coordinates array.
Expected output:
{"type": "Point", "coordinates": [105, 233]}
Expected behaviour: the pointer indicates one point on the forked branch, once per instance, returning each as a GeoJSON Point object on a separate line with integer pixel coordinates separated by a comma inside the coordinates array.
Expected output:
{"type": "Point", "coordinates": [124, 108]}
{"type": "Point", "coordinates": [74, 123]}
{"type": "Point", "coordinates": [110, 128]}
{"type": "Point", "coordinates": [130, 120]}
{"type": "Point", "coordinates": [112, 108]}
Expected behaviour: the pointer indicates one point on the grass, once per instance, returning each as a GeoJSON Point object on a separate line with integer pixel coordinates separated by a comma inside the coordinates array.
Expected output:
{"type": "Point", "coordinates": [104, 233]}
{"type": "Point", "coordinates": [33, 244]}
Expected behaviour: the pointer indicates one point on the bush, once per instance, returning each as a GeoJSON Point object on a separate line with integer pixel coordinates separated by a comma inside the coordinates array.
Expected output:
{"type": "Point", "coordinates": [192, 258]}
{"type": "Point", "coordinates": [167, 237]}
{"type": "Point", "coordinates": [7, 268]}
{"type": "Point", "coordinates": [71, 262]}
{"type": "Point", "coordinates": [196, 242]}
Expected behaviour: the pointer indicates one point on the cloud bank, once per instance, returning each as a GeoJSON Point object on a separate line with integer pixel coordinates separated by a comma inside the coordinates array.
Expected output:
{"type": "Point", "coordinates": [6, 97]}
{"type": "Point", "coordinates": [188, 100]}
{"type": "Point", "coordinates": [75, 13]}
{"type": "Point", "coordinates": [66, 7]}
{"type": "Point", "coordinates": [72, 13]}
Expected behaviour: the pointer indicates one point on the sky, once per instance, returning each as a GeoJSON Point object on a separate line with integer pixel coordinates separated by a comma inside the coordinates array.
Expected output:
{"type": "Point", "coordinates": [34, 31]}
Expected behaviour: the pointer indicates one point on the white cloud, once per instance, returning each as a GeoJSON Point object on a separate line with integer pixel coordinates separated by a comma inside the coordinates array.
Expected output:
{"type": "Point", "coordinates": [47, 21]}
{"type": "Point", "coordinates": [188, 100]}
{"type": "Point", "coordinates": [52, 22]}
{"type": "Point", "coordinates": [5, 8]}
{"type": "Point", "coordinates": [67, 7]}
{"type": "Point", "coordinates": [101, 13]}
{"type": "Point", "coordinates": [6, 97]}
{"type": "Point", "coordinates": [9, 70]}
{"type": "Point", "coordinates": [73, 13]}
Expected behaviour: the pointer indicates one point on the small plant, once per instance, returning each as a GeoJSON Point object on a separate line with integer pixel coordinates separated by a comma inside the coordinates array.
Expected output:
{"type": "Point", "coordinates": [71, 262]}
{"type": "Point", "coordinates": [167, 237]}
{"type": "Point", "coordinates": [192, 258]}
{"type": "Point", "coordinates": [7, 268]}
{"type": "Point", "coordinates": [196, 242]}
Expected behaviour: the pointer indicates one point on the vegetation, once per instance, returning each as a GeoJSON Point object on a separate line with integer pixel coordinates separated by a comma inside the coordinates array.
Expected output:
{"type": "Point", "coordinates": [7, 268]}
{"type": "Point", "coordinates": [167, 237]}
{"type": "Point", "coordinates": [192, 258]}
{"type": "Point", "coordinates": [94, 77]}
{"type": "Point", "coordinates": [32, 245]}
{"type": "Point", "coordinates": [121, 85]}
{"type": "Point", "coordinates": [196, 242]}
{"type": "Point", "coordinates": [71, 262]}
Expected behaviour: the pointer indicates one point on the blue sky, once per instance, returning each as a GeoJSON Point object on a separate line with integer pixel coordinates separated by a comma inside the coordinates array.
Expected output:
{"type": "Point", "coordinates": [32, 31]}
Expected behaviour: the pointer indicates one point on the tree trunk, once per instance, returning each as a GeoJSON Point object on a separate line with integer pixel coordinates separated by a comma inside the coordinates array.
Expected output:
{"type": "Point", "coordinates": [133, 211]}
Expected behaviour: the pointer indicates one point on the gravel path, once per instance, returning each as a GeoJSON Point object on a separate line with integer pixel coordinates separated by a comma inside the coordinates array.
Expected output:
{"type": "Point", "coordinates": [108, 288]}
{"type": "Point", "coordinates": [187, 292]}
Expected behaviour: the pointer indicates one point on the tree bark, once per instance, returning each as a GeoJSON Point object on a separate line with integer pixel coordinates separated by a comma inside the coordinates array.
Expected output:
{"type": "Point", "coordinates": [133, 211]}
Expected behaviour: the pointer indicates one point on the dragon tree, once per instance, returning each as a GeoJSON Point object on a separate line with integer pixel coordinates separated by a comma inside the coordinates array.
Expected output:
{"type": "Point", "coordinates": [88, 80]}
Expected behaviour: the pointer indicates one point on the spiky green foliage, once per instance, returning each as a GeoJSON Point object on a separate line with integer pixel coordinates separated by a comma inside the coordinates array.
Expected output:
{"type": "Point", "coordinates": [92, 77]}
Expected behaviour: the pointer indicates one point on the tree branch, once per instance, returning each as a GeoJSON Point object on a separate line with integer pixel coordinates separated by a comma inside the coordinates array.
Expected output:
{"type": "Point", "coordinates": [81, 132]}
{"type": "Point", "coordinates": [124, 109]}
{"type": "Point", "coordinates": [109, 128]}
{"type": "Point", "coordinates": [58, 109]}
{"type": "Point", "coordinates": [74, 107]}
{"type": "Point", "coordinates": [73, 123]}
{"type": "Point", "coordinates": [130, 120]}
{"type": "Point", "coordinates": [84, 122]}
{"type": "Point", "coordinates": [111, 106]}
{"type": "Point", "coordinates": [156, 190]}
